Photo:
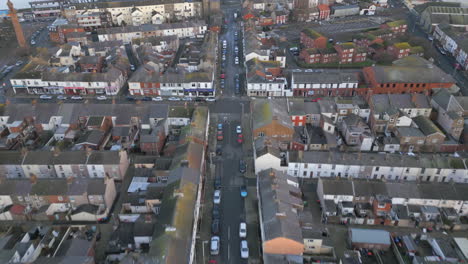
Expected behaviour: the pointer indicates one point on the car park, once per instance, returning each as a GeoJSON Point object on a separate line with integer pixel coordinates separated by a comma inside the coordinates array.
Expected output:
{"type": "Point", "coordinates": [173, 99]}
{"type": "Point", "coordinates": [61, 97]}
{"type": "Point", "coordinates": [242, 166]}
{"type": "Point", "coordinates": [243, 191]}
{"type": "Point", "coordinates": [214, 245]}
{"type": "Point", "coordinates": [101, 98]}
{"type": "Point", "coordinates": [238, 129]}
{"type": "Point", "coordinates": [217, 197]}
{"type": "Point", "coordinates": [215, 226]}
{"type": "Point", "coordinates": [45, 97]}
{"type": "Point", "coordinates": [244, 249]}
{"type": "Point", "coordinates": [157, 99]}
{"type": "Point", "coordinates": [242, 230]}
{"type": "Point", "coordinates": [76, 97]}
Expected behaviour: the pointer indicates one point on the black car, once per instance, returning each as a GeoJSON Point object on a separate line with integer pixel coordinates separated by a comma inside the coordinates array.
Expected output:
{"type": "Point", "coordinates": [216, 214]}
{"type": "Point", "coordinates": [215, 227]}
{"type": "Point", "coordinates": [219, 151]}
{"type": "Point", "coordinates": [242, 166]}
{"type": "Point", "coordinates": [198, 99]}
{"type": "Point", "coordinates": [146, 98]}
{"type": "Point", "coordinates": [217, 183]}
{"type": "Point", "coordinates": [129, 98]}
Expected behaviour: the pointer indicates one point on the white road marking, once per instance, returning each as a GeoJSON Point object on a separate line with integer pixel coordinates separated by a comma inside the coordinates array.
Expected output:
{"type": "Point", "coordinates": [229, 233]}
{"type": "Point", "coordinates": [229, 249]}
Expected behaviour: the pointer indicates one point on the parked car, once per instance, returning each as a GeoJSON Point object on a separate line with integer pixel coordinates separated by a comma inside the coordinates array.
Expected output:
{"type": "Point", "coordinates": [75, 97]}
{"type": "Point", "coordinates": [219, 135]}
{"type": "Point", "coordinates": [242, 230]}
{"type": "Point", "coordinates": [146, 98]}
{"type": "Point", "coordinates": [238, 129]}
{"type": "Point", "coordinates": [240, 138]}
{"type": "Point", "coordinates": [217, 197]}
{"type": "Point", "coordinates": [45, 97]}
{"type": "Point", "coordinates": [61, 97]}
{"type": "Point", "coordinates": [173, 99]}
{"type": "Point", "coordinates": [222, 75]}
{"type": "Point", "coordinates": [101, 98]}
{"type": "Point", "coordinates": [187, 99]}
{"type": "Point", "coordinates": [217, 183]}
{"type": "Point", "coordinates": [219, 151]}
{"type": "Point", "coordinates": [236, 60]}
{"type": "Point", "coordinates": [210, 99]}
{"type": "Point", "coordinates": [157, 99]}
{"type": "Point", "coordinates": [132, 67]}
{"type": "Point", "coordinates": [244, 249]}
{"type": "Point", "coordinates": [224, 57]}
{"type": "Point", "coordinates": [242, 166]}
{"type": "Point", "coordinates": [220, 126]}
{"type": "Point", "coordinates": [216, 214]}
{"type": "Point", "coordinates": [214, 245]}
{"type": "Point", "coordinates": [215, 226]}
{"type": "Point", "coordinates": [129, 98]}
{"type": "Point", "coordinates": [19, 63]}
{"type": "Point", "coordinates": [243, 191]}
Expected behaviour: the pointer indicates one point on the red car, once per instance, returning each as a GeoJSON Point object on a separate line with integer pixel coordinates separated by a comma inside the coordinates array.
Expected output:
{"type": "Point", "coordinates": [316, 99]}
{"type": "Point", "coordinates": [219, 135]}
{"type": "Point", "coordinates": [222, 75]}
{"type": "Point", "coordinates": [240, 138]}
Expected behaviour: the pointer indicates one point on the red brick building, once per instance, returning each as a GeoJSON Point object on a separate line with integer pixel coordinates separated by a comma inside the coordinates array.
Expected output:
{"type": "Point", "coordinates": [399, 50]}
{"type": "Point", "coordinates": [398, 26]}
{"type": "Point", "coordinates": [324, 12]}
{"type": "Point", "coordinates": [312, 39]}
{"type": "Point", "coordinates": [90, 63]}
{"type": "Point", "coordinates": [412, 74]}
{"type": "Point", "coordinates": [311, 56]}
{"type": "Point", "coordinates": [349, 53]}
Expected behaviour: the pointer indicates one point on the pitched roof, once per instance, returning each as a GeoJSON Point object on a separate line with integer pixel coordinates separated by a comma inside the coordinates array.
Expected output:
{"type": "Point", "coordinates": [266, 111]}
{"type": "Point", "coordinates": [369, 236]}
{"type": "Point", "coordinates": [426, 126]}
{"type": "Point", "coordinates": [325, 77]}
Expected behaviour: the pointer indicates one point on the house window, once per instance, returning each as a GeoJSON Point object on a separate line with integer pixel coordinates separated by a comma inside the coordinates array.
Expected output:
{"type": "Point", "coordinates": [377, 168]}
{"type": "Point", "coordinates": [261, 134]}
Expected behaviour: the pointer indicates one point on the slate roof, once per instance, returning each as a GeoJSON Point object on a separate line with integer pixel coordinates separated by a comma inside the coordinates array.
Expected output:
{"type": "Point", "coordinates": [411, 69]}
{"type": "Point", "coordinates": [410, 132]}
{"type": "Point", "coordinates": [277, 200]}
{"type": "Point", "coordinates": [266, 111]}
{"type": "Point", "coordinates": [104, 157]}
{"type": "Point", "coordinates": [369, 236]}
{"type": "Point", "coordinates": [151, 27]}
{"type": "Point", "coordinates": [91, 137]}
{"type": "Point", "coordinates": [325, 77]}
{"type": "Point", "coordinates": [10, 157]}
{"type": "Point", "coordinates": [427, 126]}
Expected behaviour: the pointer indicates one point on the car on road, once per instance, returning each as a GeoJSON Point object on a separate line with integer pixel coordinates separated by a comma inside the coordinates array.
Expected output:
{"type": "Point", "coordinates": [242, 166]}
{"type": "Point", "coordinates": [75, 97]}
{"type": "Point", "coordinates": [224, 57]}
{"type": "Point", "coordinates": [220, 126]}
{"type": "Point", "coordinates": [240, 138]}
{"type": "Point", "coordinates": [219, 151]}
{"type": "Point", "coordinates": [19, 63]}
{"type": "Point", "coordinates": [217, 183]}
{"type": "Point", "coordinates": [223, 75]}
{"type": "Point", "coordinates": [238, 129]}
{"type": "Point", "coordinates": [45, 97]}
{"type": "Point", "coordinates": [244, 249]}
{"type": "Point", "coordinates": [236, 60]}
{"type": "Point", "coordinates": [33, 42]}
{"type": "Point", "coordinates": [210, 99]}
{"type": "Point", "coordinates": [236, 49]}
{"type": "Point", "coordinates": [217, 197]}
{"type": "Point", "coordinates": [101, 98]}
{"type": "Point", "coordinates": [61, 97]}
{"type": "Point", "coordinates": [242, 230]}
{"type": "Point", "coordinates": [157, 99]}
{"type": "Point", "coordinates": [129, 98]}
{"type": "Point", "coordinates": [441, 50]}
{"type": "Point", "coordinates": [216, 214]}
{"type": "Point", "coordinates": [132, 67]}
{"type": "Point", "coordinates": [215, 226]}
{"type": "Point", "coordinates": [219, 135]}
{"type": "Point", "coordinates": [187, 99]}
{"type": "Point", "coordinates": [146, 99]}
{"type": "Point", "coordinates": [173, 99]}
{"type": "Point", "coordinates": [243, 191]}
{"type": "Point", "coordinates": [214, 245]}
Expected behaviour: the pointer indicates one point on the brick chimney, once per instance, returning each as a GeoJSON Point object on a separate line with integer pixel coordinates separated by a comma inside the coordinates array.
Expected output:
{"type": "Point", "coordinates": [17, 26]}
